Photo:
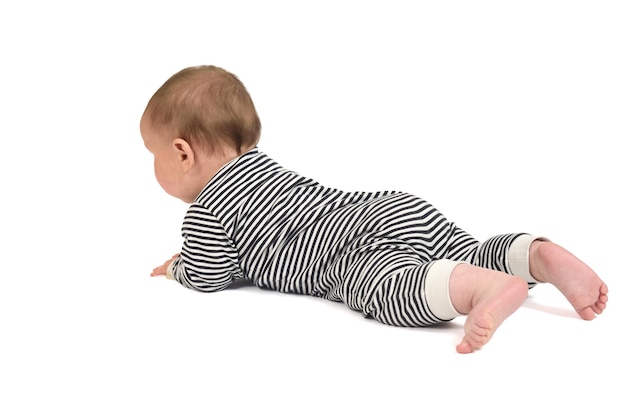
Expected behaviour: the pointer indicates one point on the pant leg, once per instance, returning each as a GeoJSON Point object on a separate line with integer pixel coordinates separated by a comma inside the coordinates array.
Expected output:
{"type": "Point", "coordinates": [417, 293]}
{"type": "Point", "coordinates": [394, 285]}
{"type": "Point", "coordinates": [414, 297]}
{"type": "Point", "coordinates": [434, 237]}
{"type": "Point", "coordinates": [399, 276]}
{"type": "Point", "coordinates": [506, 252]}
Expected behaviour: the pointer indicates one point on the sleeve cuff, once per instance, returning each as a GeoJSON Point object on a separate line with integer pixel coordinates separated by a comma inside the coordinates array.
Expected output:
{"type": "Point", "coordinates": [169, 273]}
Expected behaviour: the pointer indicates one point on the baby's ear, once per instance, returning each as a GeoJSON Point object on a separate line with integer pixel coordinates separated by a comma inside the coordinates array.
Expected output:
{"type": "Point", "coordinates": [184, 152]}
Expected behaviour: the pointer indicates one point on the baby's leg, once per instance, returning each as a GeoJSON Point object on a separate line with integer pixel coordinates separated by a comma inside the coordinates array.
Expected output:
{"type": "Point", "coordinates": [581, 286]}
{"type": "Point", "coordinates": [488, 297]}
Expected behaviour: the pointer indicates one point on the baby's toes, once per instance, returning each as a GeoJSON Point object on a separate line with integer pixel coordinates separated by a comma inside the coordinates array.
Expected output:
{"type": "Point", "coordinates": [587, 313]}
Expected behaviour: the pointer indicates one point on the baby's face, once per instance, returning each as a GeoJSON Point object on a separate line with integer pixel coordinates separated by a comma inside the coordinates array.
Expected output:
{"type": "Point", "coordinates": [166, 165]}
{"type": "Point", "coordinates": [180, 170]}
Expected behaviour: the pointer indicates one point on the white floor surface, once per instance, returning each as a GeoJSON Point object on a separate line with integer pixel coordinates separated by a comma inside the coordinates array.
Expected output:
{"type": "Point", "coordinates": [507, 118]}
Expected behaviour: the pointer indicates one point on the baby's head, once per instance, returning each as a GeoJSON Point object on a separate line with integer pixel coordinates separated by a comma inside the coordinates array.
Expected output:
{"type": "Point", "coordinates": [200, 119]}
{"type": "Point", "coordinates": [208, 107]}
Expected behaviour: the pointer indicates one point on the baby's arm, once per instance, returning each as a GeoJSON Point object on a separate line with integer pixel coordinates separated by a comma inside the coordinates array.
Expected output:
{"type": "Point", "coordinates": [208, 260]}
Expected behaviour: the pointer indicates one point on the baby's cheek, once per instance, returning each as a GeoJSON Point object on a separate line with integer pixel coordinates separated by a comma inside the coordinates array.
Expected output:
{"type": "Point", "coordinates": [161, 178]}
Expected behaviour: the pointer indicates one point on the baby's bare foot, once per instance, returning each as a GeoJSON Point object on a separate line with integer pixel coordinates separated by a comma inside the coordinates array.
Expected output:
{"type": "Point", "coordinates": [491, 309]}
{"type": "Point", "coordinates": [488, 298]}
{"type": "Point", "coordinates": [551, 263]}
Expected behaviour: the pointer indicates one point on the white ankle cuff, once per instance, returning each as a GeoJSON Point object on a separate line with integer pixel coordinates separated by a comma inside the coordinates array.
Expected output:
{"type": "Point", "coordinates": [437, 289]}
{"type": "Point", "coordinates": [518, 257]}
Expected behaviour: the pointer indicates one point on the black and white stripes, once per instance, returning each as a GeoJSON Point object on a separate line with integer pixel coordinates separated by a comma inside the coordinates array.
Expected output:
{"type": "Point", "coordinates": [258, 221]}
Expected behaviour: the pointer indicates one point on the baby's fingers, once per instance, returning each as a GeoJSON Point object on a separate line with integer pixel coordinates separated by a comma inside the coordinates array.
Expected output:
{"type": "Point", "coordinates": [159, 270]}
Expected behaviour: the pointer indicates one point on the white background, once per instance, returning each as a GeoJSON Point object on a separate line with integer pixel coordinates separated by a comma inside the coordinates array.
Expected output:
{"type": "Point", "coordinates": [507, 116]}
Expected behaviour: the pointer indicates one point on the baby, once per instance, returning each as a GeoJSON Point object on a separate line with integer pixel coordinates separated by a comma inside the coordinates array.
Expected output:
{"type": "Point", "coordinates": [390, 255]}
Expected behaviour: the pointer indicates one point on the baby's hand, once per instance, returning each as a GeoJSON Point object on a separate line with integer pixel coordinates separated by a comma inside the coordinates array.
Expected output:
{"type": "Point", "coordinates": [162, 270]}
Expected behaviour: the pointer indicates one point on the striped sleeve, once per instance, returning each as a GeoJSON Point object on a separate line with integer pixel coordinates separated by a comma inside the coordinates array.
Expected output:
{"type": "Point", "coordinates": [208, 260]}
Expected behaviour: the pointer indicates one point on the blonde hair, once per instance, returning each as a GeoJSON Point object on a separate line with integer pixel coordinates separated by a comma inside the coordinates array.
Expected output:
{"type": "Point", "coordinates": [208, 107]}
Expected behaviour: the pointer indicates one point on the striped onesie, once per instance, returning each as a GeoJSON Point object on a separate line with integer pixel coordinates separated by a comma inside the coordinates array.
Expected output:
{"type": "Point", "coordinates": [386, 254]}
